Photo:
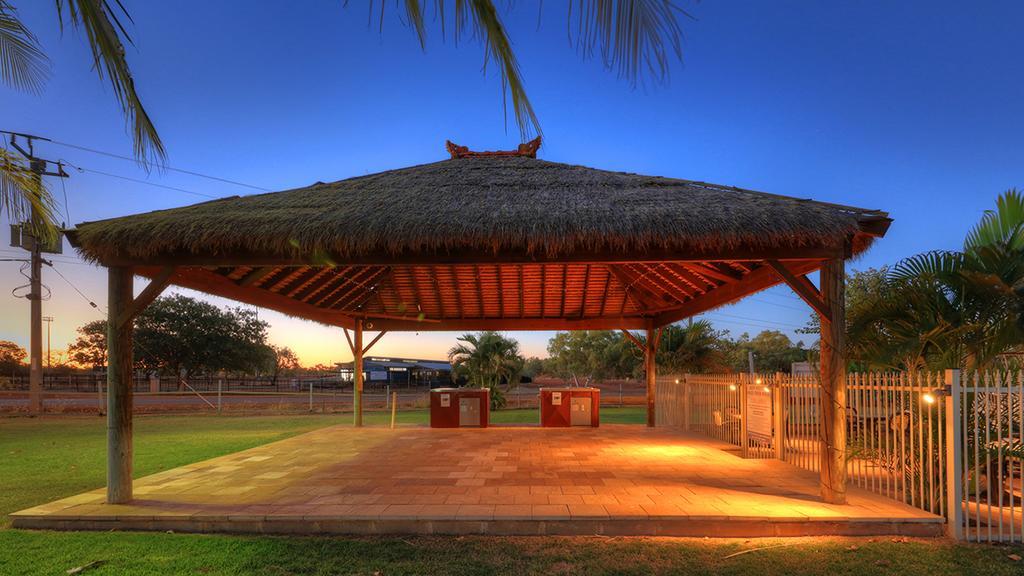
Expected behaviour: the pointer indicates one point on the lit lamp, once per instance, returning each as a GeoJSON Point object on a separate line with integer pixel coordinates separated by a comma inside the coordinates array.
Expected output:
{"type": "Point", "coordinates": [934, 395]}
{"type": "Point", "coordinates": [732, 387]}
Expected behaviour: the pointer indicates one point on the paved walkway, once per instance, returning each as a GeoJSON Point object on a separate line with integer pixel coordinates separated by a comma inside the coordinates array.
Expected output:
{"type": "Point", "coordinates": [509, 480]}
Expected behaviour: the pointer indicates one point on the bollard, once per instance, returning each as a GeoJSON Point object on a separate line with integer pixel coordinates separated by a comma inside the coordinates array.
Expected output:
{"type": "Point", "coordinates": [394, 407]}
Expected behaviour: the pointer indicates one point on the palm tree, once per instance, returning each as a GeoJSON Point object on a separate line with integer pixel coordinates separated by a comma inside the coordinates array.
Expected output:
{"type": "Point", "coordinates": [983, 284]}
{"type": "Point", "coordinates": [694, 348]}
{"type": "Point", "coordinates": [633, 37]}
{"type": "Point", "coordinates": [24, 67]}
{"type": "Point", "coordinates": [488, 360]}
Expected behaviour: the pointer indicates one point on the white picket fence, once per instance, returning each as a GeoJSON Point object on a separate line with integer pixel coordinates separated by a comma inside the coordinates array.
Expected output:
{"type": "Point", "coordinates": [901, 441]}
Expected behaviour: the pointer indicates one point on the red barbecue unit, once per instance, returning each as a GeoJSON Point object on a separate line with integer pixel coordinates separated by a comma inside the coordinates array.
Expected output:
{"type": "Point", "coordinates": [563, 407]}
{"type": "Point", "coordinates": [460, 407]}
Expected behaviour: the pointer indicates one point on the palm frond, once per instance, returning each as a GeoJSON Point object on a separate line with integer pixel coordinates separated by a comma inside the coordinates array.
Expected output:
{"type": "Point", "coordinates": [487, 26]}
{"type": "Point", "coordinates": [104, 32]}
{"type": "Point", "coordinates": [934, 264]}
{"type": "Point", "coordinates": [634, 37]}
{"type": "Point", "coordinates": [23, 66]}
{"type": "Point", "coordinates": [23, 197]}
{"type": "Point", "coordinates": [1004, 225]}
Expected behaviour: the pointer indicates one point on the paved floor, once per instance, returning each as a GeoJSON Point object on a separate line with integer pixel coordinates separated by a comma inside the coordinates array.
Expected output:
{"type": "Point", "coordinates": [522, 480]}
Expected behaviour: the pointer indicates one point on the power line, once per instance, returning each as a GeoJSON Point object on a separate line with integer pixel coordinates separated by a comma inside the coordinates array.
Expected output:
{"type": "Point", "coordinates": [150, 165]}
{"type": "Point", "coordinates": [140, 181]}
{"type": "Point", "coordinates": [755, 320]}
{"type": "Point", "coordinates": [80, 293]}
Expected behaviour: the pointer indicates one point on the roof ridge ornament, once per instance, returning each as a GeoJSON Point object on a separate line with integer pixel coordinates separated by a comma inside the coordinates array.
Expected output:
{"type": "Point", "coordinates": [526, 150]}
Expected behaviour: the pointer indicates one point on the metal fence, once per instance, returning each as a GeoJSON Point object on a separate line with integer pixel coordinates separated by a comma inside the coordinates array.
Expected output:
{"type": "Point", "coordinates": [90, 382]}
{"type": "Point", "coordinates": [946, 443]}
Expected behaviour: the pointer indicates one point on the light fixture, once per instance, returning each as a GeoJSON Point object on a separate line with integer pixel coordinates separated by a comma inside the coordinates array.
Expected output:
{"type": "Point", "coordinates": [677, 380]}
{"type": "Point", "coordinates": [732, 387]}
{"type": "Point", "coordinates": [929, 398]}
{"type": "Point", "coordinates": [767, 389]}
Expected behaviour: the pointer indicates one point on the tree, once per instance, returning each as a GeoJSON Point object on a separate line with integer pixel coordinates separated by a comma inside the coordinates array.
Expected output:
{"type": "Point", "coordinates": [488, 360]}
{"type": "Point", "coordinates": [12, 357]}
{"type": "Point", "coordinates": [179, 335]}
{"type": "Point", "coordinates": [695, 347]}
{"type": "Point", "coordinates": [24, 67]}
{"type": "Point", "coordinates": [633, 37]}
{"type": "Point", "coordinates": [90, 348]}
{"type": "Point", "coordinates": [773, 352]}
{"type": "Point", "coordinates": [592, 355]}
{"type": "Point", "coordinates": [943, 308]}
{"type": "Point", "coordinates": [285, 362]}
{"type": "Point", "coordinates": [533, 367]}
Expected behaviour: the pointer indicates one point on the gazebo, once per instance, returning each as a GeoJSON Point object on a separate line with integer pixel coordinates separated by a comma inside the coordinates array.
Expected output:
{"type": "Point", "coordinates": [486, 240]}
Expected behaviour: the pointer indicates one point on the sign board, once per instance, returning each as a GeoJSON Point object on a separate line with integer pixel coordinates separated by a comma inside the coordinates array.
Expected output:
{"type": "Point", "coordinates": [759, 412]}
{"type": "Point", "coordinates": [446, 400]}
{"type": "Point", "coordinates": [556, 398]}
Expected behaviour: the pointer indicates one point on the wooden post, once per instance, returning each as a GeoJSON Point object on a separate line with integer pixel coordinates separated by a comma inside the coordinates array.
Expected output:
{"type": "Point", "coordinates": [651, 373]}
{"type": "Point", "coordinates": [119, 386]}
{"type": "Point", "coordinates": [833, 383]}
{"type": "Point", "coordinates": [394, 408]}
{"type": "Point", "coordinates": [954, 457]}
{"type": "Point", "coordinates": [779, 415]}
{"type": "Point", "coordinates": [357, 374]}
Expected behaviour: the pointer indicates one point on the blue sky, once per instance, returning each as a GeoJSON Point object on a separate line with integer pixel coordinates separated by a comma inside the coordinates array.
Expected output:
{"type": "Point", "coordinates": [913, 108]}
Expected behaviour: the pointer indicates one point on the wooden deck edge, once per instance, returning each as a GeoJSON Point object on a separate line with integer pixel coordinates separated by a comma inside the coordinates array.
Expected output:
{"type": "Point", "coordinates": [690, 527]}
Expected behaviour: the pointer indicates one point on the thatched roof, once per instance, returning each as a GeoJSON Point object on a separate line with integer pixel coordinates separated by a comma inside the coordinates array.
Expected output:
{"type": "Point", "coordinates": [491, 204]}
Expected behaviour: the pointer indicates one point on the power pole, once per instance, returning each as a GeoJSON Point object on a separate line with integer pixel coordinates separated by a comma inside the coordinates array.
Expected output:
{"type": "Point", "coordinates": [38, 167]}
{"type": "Point", "coordinates": [48, 320]}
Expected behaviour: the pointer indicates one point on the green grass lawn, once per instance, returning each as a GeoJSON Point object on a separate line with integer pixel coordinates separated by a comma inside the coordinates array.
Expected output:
{"type": "Point", "coordinates": [45, 459]}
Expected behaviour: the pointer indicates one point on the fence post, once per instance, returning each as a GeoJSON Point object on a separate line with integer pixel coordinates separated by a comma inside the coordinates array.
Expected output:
{"type": "Point", "coordinates": [779, 416]}
{"type": "Point", "coordinates": [744, 382]}
{"type": "Point", "coordinates": [954, 457]}
{"type": "Point", "coordinates": [686, 402]}
{"type": "Point", "coordinates": [99, 395]}
{"type": "Point", "coordinates": [310, 395]}
{"type": "Point", "coordinates": [220, 393]}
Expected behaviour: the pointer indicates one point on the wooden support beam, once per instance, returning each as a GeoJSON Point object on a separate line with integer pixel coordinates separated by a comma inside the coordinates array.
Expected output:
{"type": "Point", "coordinates": [136, 305]}
{"type": "Point", "coordinates": [348, 337]}
{"type": "Point", "coordinates": [257, 274]}
{"type": "Point", "coordinates": [642, 297]}
{"type": "Point", "coordinates": [357, 375]}
{"type": "Point", "coordinates": [119, 386]}
{"type": "Point", "coordinates": [297, 280]}
{"type": "Point", "coordinates": [634, 340]}
{"type": "Point", "coordinates": [604, 293]}
{"type": "Point", "coordinates": [711, 271]}
{"type": "Point", "coordinates": [374, 341]}
{"type": "Point", "coordinates": [755, 281]}
{"type": "Point", "coordinates": [318, 283]}
{"type": "Point", "coordinates": [500, 289]}
{"type": "Point", "coordinates": [383, 258]}
{"type": "Point", "coordinates": [832, 450]}
{"type": "Point", "coordinates": [636, 322]}
{"type": "Point", "coordinates": [437, 289]}
{"type": "Point", "coordinates": [522, 292]}
{"type": "Point", "coordinates": [803, 288]}
{"type": "Point", "coordinates": [212, 283]}
{"type": "Point", "coordinates": [457, 289]}
{"type": "Point", "coordinates": [586, 285]}
{"type": "Point", "coordinates": [651, 373]}
{"type": "Point", "coordinates": [479, 291]}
